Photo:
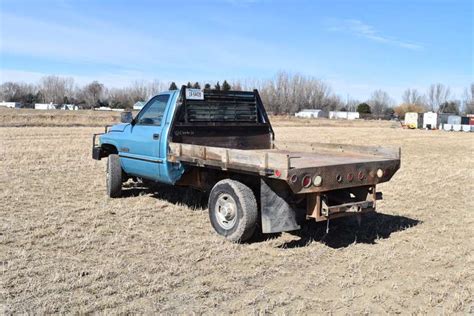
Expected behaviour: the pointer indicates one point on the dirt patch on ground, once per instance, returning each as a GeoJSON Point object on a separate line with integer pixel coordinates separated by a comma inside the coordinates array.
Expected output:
{"type": "Point", "coordinates": [66, 247]}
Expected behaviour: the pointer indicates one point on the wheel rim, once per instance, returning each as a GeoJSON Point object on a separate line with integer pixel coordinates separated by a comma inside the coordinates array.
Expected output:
{"type": "Point", "coordinates": [226, 211]}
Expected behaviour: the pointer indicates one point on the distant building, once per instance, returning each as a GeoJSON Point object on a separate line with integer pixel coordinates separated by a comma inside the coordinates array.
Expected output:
{"type": "Point", "coordinates": [45, 106]}
{"type": "Point", "coordinates": [139, 105]}
{"type": "Point", "coordinates": [454, 120]}
{"type": "Point", "coordinates": [12, 105]}
{"type": "Point", "coordinates": [107, 108]}
{"type": "Point", "coordinates": [71, 107]}
{"type": "Point", "coordinates": [343, 115]}
{"type": "Point", "coordinates": [103, 108]}
{"type": "Point", "coordinates": [311, 113]}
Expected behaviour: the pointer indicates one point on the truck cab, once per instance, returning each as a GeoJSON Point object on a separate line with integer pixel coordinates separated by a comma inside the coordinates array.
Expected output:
{"type": "Point", "coordinates": [222, 142]}
{"type": "Point", "coordinates": [141, 144]}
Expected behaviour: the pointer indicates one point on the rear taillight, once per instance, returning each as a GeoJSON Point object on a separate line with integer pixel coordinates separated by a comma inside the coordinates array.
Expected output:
{"type": "Point", "coordinates": [361, 175]}
{"type": "Point", "coordinates": [350, 177]}
{"type": "Point", "coordinates": [306, 181]}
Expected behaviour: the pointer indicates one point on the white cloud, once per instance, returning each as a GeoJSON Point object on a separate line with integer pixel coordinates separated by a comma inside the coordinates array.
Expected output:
{"type": "Point", "coordinates": [364, 30]}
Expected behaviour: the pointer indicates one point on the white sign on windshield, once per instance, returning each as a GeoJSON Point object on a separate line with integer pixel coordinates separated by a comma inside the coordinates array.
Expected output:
{"type": "Point", "coordinates": [194, 94]}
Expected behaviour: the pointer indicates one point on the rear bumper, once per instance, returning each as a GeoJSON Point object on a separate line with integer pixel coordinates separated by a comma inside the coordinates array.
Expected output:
{"type": "Point", "coordinates": [320, 209]}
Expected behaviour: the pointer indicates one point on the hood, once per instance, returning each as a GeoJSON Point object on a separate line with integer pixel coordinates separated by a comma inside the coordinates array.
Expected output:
{"type": "Point", "coordinates": [118, 127]}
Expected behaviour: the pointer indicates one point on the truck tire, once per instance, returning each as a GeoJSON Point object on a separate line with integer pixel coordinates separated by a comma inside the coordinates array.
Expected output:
{"type": "Point", "coordinates": [233, 210]}
{"type": "Point", "coordinates": [114, 176]}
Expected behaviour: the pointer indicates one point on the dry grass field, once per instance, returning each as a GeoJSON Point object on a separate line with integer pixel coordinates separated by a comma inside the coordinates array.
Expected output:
{"type": "Point", "coordinates": [67, 248]}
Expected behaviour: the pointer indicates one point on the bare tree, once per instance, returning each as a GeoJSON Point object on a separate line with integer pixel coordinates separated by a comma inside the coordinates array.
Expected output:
{"type": "Point", "coordinates": [155, 87]}
{"type": "Point", "coordinates": [138, 91]}
{"type": "Point", "coordinates": [289, 93]}
{"type": "Point", "coordinates": [55, 89]}
{"type": "Point", "coordinates": [92, 94]}
{"type": "Point", "coordinates": [9, 91]}
{"type": "Point", "coordinates": [379, 102]}
{"type": "Point", "coordinates": [412, 96]}
{"type": "Point", "coordinates": [119, 98]}
{"type": "Point", "coordinates": [437, 95]}
{"type": "Point", "coordinates": [468, 100]}
{"type": "Point", "coordinates": [351, 104]}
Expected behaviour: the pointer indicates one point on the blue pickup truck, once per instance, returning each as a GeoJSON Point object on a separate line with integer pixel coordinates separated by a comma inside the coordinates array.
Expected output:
{"type": "Point", "coordinates": [222, 143]}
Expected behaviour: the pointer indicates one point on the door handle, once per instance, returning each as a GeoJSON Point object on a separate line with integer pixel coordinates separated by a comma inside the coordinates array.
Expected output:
{"type": "Point", "coordinates": [156, 136]}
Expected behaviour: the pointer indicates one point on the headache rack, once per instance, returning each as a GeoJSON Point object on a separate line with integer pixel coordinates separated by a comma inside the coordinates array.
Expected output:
{"type": "Point", "coordinates": [221, 106]}
{"type": "Point", "coordinates": [229, 119]}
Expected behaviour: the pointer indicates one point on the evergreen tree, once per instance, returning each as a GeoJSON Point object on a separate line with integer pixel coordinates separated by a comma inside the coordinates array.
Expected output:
{"type": "Point", "coordinates": [196, 85]}
{"type": "Point", "coordinates": [364, 108]}
{"type": "Point", "coordinates": [173, 86]}
{"type": "Point", "coordinates": [449, 107]}
{"type": "Point", "coordinates": [217, 86]}
{"type": "Point", "coordinates": [226, 86]}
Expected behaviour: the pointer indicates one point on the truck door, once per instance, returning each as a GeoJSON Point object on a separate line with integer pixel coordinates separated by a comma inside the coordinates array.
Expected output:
{"type": "Point", "coordinates": [142, 157]}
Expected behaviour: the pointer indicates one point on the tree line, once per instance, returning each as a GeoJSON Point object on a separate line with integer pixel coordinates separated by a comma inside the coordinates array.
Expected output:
{"type": "Point", "coordinates": [285, 93]}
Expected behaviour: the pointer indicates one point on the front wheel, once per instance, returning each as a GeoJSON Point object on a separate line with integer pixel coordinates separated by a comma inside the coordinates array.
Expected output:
{"type": "Point", "coordinates": [114, 176]}
{"type": "Point", "coordinates": [233, 210]}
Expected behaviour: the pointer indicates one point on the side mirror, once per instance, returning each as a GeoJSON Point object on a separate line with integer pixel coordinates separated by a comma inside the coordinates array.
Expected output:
{"type": "Point", "coordinates": [126, 117]}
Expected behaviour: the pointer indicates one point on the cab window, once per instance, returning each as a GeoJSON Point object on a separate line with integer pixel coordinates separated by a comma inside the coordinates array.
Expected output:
{"type": "Point", "coordinates": [154, 110]}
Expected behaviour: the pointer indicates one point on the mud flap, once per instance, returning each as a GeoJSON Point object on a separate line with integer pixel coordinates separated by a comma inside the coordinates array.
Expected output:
{"type": "Point", "coordinates": [277, 214]}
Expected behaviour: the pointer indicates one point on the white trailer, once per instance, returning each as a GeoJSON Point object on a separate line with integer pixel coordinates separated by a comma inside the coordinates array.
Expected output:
{"type": "Point", "coordinates": [344, 115]}
{"type": "Point", "coordinates": [311, 113]}
{"type": "Point", "coordinates": [11, 105]}
{"type": "Point", "coordinates": [413, 120]}
{"type": "Point", "coordinates": [45, 106]}
{"type": "Point", "coordinates": [430, 120]}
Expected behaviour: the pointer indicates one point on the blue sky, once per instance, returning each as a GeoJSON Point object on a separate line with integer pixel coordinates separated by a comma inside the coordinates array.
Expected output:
{"type": "Point", "coordinates": [356, 46]}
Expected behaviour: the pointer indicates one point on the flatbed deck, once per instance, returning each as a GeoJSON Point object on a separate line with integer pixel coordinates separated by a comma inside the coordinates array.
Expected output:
{"type": "Point", "coordinates": [284, 162]}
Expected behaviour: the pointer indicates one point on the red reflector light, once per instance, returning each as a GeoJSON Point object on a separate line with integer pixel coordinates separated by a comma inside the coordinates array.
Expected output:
{"type": "Point", "coordinates": [306, 181]}
{"type": "Point", "coordinates": [361, 175]}
{"type": "Point", "coordinates": [350, 177]}
{"type": "Point", "coordinates": [278, 173]}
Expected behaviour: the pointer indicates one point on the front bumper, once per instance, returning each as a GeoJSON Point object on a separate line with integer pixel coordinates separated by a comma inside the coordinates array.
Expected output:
{"type": "Point", "coordinates": [97, 151]}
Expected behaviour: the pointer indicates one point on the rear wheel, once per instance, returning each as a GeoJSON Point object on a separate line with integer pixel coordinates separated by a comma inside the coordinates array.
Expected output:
{"type": "Point", "coordinates": [114, 176]}
{"type": "Point", "coordinates": [233, 210]}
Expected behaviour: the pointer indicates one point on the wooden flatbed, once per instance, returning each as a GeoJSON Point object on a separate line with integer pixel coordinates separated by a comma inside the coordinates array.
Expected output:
{"type": "Point", "coordinates": [329, 160]}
